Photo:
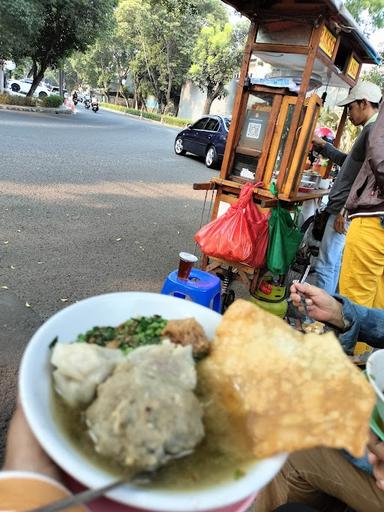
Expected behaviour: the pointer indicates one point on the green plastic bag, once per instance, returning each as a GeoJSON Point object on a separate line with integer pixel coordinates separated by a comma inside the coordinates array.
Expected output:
{"type": "Point", "coordinates": [284, 240]}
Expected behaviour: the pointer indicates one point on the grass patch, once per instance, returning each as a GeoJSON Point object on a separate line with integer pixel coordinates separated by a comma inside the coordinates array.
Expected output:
{"type": "Point", "coordinates": [13, 99]}
{"type": "Point", "coordinates": [176, 121]}
{"type": "Point", "coordinates": [170, 120]}
{"type": "Point", "coordinates": [151, 115]}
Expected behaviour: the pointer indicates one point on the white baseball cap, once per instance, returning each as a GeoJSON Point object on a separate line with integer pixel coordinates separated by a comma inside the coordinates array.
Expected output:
{"type": "Point", "coordinates": [363, 91]}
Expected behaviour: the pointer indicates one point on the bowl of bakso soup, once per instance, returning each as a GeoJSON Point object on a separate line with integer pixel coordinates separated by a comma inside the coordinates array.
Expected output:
{"type": "Point", "coordinates": [114, 387]}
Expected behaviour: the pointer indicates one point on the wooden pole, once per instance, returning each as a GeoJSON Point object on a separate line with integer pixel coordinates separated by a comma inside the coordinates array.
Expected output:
{"type": "Point", "coordinates": [225, 168]}
{"type": "Point", "coordinates": [313, 45]}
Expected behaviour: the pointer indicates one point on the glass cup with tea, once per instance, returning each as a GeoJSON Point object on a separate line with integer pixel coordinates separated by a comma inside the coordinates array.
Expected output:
{"type": "Point", "coordinates": [186, 262]}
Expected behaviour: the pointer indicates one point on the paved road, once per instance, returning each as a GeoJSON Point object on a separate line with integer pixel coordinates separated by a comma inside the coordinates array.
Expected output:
{"type": "Point", "coordinates": [89, 203]}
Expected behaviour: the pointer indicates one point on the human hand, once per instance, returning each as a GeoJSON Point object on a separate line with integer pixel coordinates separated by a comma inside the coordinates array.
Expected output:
{"type": "Point", "coordinates": [339, 224]}
{"type": "Point", "coordinates": [320, 305]}
{"type": "Point", "coordinates": [376, 458]}
{"type": "Point", "coordinates": [23, 452]}
{"type": "Point", "coordinates": [318, 141]}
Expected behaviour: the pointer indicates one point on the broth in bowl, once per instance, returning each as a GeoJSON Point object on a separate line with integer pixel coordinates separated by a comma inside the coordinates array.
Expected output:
{"type": "Point", "coordinates": [222, 456]}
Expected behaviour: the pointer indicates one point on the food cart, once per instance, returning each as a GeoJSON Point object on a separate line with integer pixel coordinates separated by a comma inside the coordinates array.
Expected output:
{"type": "Point", "coordinates": [299, 54]}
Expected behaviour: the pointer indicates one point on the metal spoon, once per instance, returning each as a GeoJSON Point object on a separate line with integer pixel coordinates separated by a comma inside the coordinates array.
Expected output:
{"type": "Point", "coordinates": [89, 494]}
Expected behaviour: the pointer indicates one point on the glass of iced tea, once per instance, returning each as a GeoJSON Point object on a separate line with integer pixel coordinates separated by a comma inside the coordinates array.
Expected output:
{"type": "Point", "coordinates": [186, 262]}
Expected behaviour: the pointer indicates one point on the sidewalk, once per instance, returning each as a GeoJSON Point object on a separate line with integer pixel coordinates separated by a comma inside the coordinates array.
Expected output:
{"type": "Point", "coordinates": [17, 324]}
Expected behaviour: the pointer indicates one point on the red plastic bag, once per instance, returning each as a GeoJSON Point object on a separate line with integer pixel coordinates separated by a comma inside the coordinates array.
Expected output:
{"type": "Point", "coordinates": [240, 234]}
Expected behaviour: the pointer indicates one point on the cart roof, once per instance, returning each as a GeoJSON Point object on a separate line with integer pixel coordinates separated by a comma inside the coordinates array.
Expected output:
{"type": "Point", "coordinates": [334, 9]}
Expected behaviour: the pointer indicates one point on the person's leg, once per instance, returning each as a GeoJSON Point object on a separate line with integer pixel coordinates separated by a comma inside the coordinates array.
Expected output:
{"type": "Point", "coordinates": [361, 276]}
{"type": "Point", "coordinates": [322, 478]}
{"type": "Point", "coordinates": [327, 265]}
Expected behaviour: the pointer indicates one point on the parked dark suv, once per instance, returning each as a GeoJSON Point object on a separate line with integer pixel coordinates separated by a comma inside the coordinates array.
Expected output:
{"type": "Point", "coordinates": [206, 137]}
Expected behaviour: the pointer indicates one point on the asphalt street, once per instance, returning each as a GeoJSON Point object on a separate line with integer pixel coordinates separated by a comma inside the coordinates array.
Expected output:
{"type": "Point", "coordinates": [89, 203]}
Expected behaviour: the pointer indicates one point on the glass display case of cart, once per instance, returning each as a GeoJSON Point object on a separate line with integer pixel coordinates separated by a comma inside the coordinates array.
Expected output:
{"type": "Point", "coordinates": [295, 66]}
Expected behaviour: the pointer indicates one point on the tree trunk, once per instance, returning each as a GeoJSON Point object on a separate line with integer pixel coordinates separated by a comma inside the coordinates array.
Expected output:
{"type": "Point", "coordinates": [170, 77]}
{"type": "Point", "coordinates": [37, 79]}
{"type": "Point", "coordinates": [208, 103]}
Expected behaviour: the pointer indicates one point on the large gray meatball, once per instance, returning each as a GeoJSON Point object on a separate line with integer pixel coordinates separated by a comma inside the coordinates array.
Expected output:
{"type": "Point", "coordinates": [146, 413]}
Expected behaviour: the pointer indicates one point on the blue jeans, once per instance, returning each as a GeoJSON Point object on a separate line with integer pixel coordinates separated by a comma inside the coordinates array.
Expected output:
{"type": "Point", "coordinates": [327, 265]}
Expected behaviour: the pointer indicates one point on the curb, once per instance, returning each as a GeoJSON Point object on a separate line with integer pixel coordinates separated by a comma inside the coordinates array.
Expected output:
{"type": "Point", "coordinates": [47, 110]}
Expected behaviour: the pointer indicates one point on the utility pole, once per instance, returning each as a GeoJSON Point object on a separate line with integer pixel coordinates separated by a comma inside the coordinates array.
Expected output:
{"type": "Point", "coordinates": [61, 80]}
{"type": "Point", "coordinates": [2, 76]}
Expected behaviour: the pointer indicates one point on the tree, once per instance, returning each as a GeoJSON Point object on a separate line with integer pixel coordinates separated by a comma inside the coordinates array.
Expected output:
{"type": "Point", "coordinates": [18, 21]}
{"type": "Point", "coordinates": [374, 8]}
{"type": "Point", "coordinates": [65, 27]}
{"type": "Point", "coordinates": [376, 74]}
{"type": "Point", "coordinates": [159, 36]}
{"type": "Point", "coordinates": [217, 55]}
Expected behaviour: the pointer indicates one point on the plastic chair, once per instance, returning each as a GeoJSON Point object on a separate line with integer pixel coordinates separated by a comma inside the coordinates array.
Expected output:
{"type": "Point", "coordinates": [202, 287]}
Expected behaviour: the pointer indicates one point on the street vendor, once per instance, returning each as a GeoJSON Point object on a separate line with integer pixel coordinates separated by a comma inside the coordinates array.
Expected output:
{"type": "Point", "coordinates": [362, 103]}
{"type": "Point", "coordinates": [361, 277]}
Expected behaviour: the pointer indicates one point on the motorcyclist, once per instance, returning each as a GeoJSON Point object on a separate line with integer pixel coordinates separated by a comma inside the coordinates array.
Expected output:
{"type": "Point", "coordinates": [75, 98]}
{"type": "Point", "coordinates": [95, 104]}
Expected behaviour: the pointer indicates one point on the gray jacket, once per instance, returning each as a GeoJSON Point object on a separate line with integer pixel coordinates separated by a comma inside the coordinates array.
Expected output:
{"type": "Point", "coordinates": [350, 166]}
{"type": "Point", "coordinates": [367, 194]}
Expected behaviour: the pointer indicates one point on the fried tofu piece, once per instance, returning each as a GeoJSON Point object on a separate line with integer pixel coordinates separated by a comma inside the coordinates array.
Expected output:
{"type": "Point", "coordinates": [291, 391]}
{"type": "Point", "coordinates": [187, 331]}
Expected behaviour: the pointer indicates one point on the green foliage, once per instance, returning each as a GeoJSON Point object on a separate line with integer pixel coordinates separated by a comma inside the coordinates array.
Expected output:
{"type": "Point", "coordinates": [374, 8]}
{"type": "Point", "coordinates": [216, 56]}
{"type": "Point", "coordinates": [19, 19]}
{"type": "Point", "coordinates": [159, 37]}
{"type": "Point", "coordinates": [329, 118]}
{"type": "Point", "coordinates": [60, 27]}
{"type": "Point", "coordinates": [53, 101]}
{"type": "Point", "coordinates": [13, 99]}
{"type": "Point", "coordinates": [376, 74]}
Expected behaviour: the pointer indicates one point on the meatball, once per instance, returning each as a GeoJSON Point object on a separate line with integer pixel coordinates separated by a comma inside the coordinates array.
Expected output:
{"type": "Point", "coordinates": [146, 413]}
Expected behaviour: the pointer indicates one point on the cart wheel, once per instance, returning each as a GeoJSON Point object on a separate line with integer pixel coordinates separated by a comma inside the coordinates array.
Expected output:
{"type": "Point", "coordinates": [227, 299]}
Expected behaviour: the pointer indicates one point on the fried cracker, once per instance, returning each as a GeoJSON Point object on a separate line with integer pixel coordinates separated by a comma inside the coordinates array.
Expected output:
{"type": "Point", "coordinates": [290, 390]}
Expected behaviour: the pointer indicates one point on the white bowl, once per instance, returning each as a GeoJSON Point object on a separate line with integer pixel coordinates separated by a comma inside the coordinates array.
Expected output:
{"type": "Point", "coordinates": [35, 391]}
{"type": "Point", "coordinates": [375, 373]}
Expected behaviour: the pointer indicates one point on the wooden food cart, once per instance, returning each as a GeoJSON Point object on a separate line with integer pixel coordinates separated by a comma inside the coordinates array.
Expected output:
{"type": "Point", "coordinates": [298, 54]}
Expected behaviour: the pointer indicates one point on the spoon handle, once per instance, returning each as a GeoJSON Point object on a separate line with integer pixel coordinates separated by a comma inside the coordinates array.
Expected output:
{"type": "Point", "coordinates": [77, 499]}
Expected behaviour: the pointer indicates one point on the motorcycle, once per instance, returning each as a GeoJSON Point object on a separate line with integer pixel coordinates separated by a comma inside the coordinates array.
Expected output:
{"type": "Point", "coordinates": [87, 103]}
{"type": "Point", "coordinates": [95, 107]}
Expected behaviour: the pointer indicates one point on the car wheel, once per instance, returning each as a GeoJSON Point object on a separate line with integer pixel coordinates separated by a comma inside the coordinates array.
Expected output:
{"type": "Point", "coordinates": [15, 87]}
{"type": "Point", "coordinates": [179, 148]}
{"type": "Point", "coordinates": [211, 158]}
{"type": "Point", "coordinates": [42, 94]}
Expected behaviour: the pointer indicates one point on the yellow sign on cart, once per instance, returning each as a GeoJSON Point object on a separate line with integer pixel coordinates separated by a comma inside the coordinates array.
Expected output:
{"type": "Point", "coordinates": [327, 42]}
{"type": "Point", "coordinates": [353, 68]}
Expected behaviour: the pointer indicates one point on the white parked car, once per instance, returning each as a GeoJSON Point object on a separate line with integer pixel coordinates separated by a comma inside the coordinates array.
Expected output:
{"type": "Point", "coordinates": [23, 86]}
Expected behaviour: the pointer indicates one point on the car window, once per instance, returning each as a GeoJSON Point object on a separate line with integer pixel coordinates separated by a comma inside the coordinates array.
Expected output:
{"type": "Point", "coordinates": [227, 122]}
{"type": "Point", "coordinates": [200, 124]}
{"type": "Point", "coordinates": [212, 125]}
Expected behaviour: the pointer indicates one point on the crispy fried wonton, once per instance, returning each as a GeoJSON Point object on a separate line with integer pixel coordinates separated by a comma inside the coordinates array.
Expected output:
{"type": "Point", "coordinates": [288, 390]}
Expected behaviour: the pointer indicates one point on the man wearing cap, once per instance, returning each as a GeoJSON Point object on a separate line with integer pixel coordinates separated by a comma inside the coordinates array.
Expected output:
{"type": "Point", "coordinates": [362, 269]}
{"type": "Point", "coordinates": [362, 104]}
